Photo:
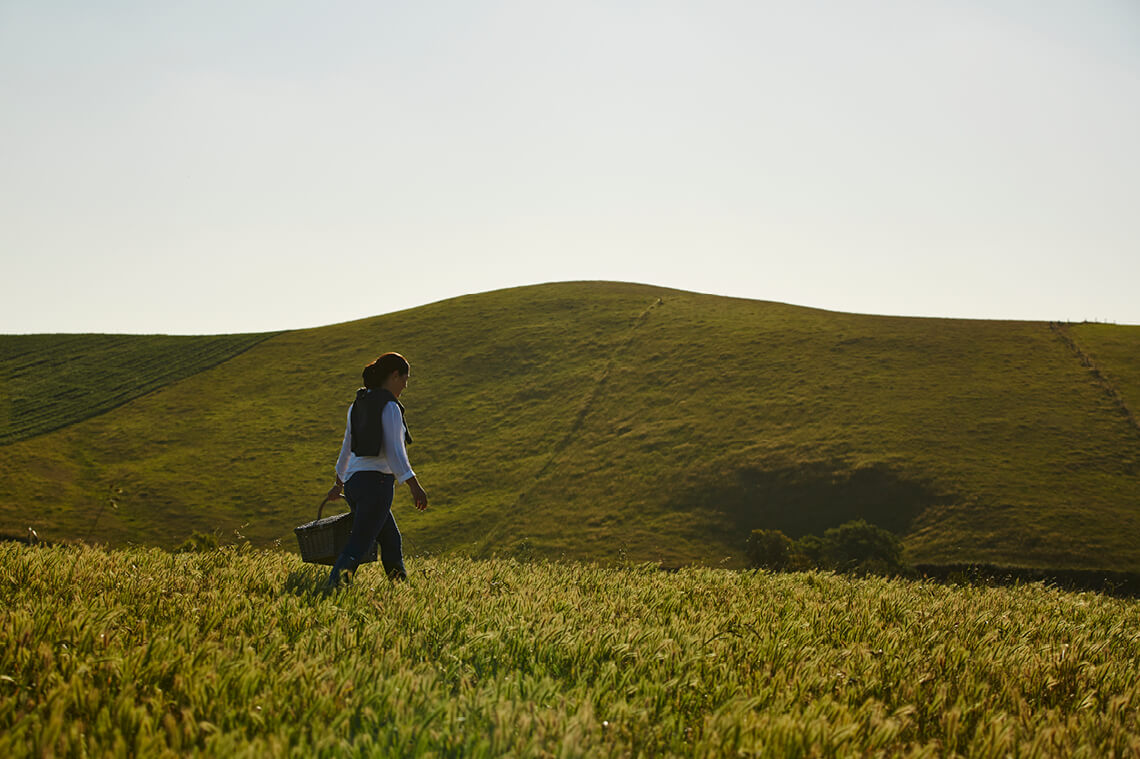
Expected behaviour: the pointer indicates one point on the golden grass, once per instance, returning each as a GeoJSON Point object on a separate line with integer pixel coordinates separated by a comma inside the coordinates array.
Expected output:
{"type": "Point", "coordinates": [236, 653]}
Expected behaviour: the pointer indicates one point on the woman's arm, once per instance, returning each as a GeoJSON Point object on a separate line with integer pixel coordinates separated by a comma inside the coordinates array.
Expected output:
{"type": "Point", "coordinates": [419, 495]}
{"type": "Point", "coordinates": [397, 454]}
{"type": "Point", "coordinates": [394, 449]}
{"type": "Point", "coordinates": [342, 459]}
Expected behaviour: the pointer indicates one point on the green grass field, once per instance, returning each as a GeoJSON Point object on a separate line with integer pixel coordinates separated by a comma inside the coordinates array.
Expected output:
{"type": "Point", "coordinates": [611, 421]}
{"type": "Point", "coordinates": [236, 653]}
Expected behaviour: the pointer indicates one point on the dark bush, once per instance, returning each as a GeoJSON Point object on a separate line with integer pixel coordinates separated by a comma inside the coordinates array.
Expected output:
{"type": "Point", "coordinates": [809, 552]}
{"type": "Point", "coordinates": [856, 547]}
{"type": "Point", "coordinates": [198, 541]}
{"type": "Point", "coordinates": [861, 547]}
{"type": "Point", "coordinates": [769, 549]}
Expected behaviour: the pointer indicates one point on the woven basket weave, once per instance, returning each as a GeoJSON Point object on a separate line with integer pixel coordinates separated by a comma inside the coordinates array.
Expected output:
{"type": "Point", "coordinates": [322, 540]}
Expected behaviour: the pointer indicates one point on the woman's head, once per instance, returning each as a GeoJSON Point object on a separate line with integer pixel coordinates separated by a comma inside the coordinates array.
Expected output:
{"type": "Point", "coordinates": [377, 374]}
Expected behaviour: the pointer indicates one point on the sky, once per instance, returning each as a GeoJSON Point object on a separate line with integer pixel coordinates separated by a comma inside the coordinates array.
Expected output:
{"type": "Point", "coordinates": [241, 166]}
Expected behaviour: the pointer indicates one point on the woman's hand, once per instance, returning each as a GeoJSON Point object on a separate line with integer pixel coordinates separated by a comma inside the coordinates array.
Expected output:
{"type": "Point", "coordinates": [419, 497]}
{"type": "Point", "coordinates": [334, 493]}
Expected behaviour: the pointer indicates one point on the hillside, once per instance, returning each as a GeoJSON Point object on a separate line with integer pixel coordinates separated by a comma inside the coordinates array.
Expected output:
{"type": "Point", "coordinates": [50, 381]}
{"type": "Point", "coordinates": [236, 653]}
{"type": "Point", "coordinates": [606, 420]}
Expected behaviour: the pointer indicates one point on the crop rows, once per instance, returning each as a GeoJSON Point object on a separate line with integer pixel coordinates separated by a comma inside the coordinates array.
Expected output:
{"type": "Point", "coordinates": [50, 381]}
{"type": "Point", "coordinates": [237, 652]}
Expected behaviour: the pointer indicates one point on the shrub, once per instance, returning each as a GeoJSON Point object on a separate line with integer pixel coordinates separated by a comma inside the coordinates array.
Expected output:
{"type": "Point", "coordinates": [197, 542]}
{"type": "Point", "coordinates": [769, 549]}
{"type": "Point", "coordinates": [809, 552]}
{"type": "Point", "coordinates": [864, 548]}
{"type": "Point", "coordinates": [857, 547]}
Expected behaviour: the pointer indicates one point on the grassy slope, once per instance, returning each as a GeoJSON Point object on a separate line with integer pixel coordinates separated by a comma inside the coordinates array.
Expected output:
{"type": "Point", "coordinates": [590, 419]}
{"type": "Point", "coordinates": [983, 440]}
{"type": "Point", "coordinates": [1115, 353]}
{"type": "Point", "coordinates": [496, 382]}
{"type": "Point", "coordinates": [50, 381]}
{"type": "Point", "coordinates": [232, 654]}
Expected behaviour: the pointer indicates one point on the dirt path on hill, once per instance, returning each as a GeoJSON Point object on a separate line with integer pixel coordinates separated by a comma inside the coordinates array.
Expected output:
{"type": "Point", "coordinates": [1098, 377]}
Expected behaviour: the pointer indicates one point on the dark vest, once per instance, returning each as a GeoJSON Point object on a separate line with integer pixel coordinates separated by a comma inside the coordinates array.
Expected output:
{"type": "Point", "coordinates": [368, 421]}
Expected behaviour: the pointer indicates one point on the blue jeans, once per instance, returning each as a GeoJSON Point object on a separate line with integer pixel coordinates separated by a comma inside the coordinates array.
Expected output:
{"type": "Point", "coordinates": [369, 495]}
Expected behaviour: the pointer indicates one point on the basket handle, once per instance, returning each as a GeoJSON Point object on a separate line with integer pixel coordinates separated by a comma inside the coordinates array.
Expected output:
{"type": "Point", "coordinates": [321, 507]}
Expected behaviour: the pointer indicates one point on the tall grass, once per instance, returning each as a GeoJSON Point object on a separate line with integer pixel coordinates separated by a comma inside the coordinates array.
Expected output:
{"type": "Point", "coordinates": [237, 653]}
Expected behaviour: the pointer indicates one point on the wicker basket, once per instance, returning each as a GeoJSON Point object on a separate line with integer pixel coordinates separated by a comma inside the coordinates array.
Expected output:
{"type": "Point", "coordinates": [322, 540]}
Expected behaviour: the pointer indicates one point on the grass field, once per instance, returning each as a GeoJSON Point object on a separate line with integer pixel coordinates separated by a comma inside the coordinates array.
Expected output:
{"type": "Point", "coordinates": [235, 653]}
{"type": "Point", "coordinates": [608, 421]}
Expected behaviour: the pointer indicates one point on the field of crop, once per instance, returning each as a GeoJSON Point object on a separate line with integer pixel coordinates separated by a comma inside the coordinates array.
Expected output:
{"type": "Point", "coordinates": [236, 653]}
{"type": "Point", "coordinates": [50, 381]}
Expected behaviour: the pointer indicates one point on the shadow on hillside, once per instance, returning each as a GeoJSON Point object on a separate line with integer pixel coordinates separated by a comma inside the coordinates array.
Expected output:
{"type": "Point", "coordinates": [809, 498]}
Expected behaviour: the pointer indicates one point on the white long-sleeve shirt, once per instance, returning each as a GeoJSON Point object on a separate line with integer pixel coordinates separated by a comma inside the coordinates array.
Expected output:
{"type": "Point", "coordinates": [393, 458]}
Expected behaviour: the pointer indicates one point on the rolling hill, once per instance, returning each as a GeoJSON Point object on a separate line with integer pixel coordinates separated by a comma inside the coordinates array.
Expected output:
{"type": "Point", "coordinates": [604, 420]}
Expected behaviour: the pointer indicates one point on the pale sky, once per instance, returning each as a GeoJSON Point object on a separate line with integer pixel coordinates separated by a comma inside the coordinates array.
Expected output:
{"type": "Point", "coordinates": [245, 166]}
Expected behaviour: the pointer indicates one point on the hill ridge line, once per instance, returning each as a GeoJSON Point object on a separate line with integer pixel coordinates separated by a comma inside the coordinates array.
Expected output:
{"type": "Point", "coordinates": [1098, 377]}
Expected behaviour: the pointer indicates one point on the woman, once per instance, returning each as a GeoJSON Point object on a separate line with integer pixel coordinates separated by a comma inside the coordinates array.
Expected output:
{"type": "Point", "coordinates": [373, 458]}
